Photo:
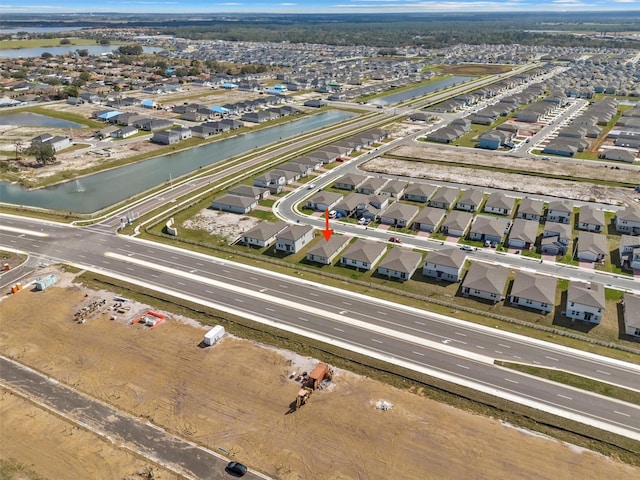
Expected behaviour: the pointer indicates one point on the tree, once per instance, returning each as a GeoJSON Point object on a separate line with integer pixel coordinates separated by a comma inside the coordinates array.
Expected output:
{"type": "Point", "coordinates": [85, 76]}
{"type": "Point", "coordinates": [72, 91]}
{"type": "Point", "coordinates": [65, 41]}
{"type": "Point", "coordinates": [42, 152]}
{"type": "Point", "coordinates": [46, 55]}
{"type": "Point", "coordinates": [82, 52]}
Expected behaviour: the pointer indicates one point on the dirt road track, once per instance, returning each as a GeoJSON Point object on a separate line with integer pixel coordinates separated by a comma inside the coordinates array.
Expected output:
{"type": "Point", "coordinates": [176, 454]}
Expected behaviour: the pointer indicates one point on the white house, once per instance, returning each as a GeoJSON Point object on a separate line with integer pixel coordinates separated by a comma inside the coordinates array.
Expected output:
{"type": "Point", "coordinates": [592, 247]}
{"type": "Point", "coordinates": [485, 281]}
{"type": "Point", "coordinates": [628, 220]}
{"type": "Point", "coordinates": [523, 233]}
{"type": "Point", "coordinates": [263, 234]}
{"type": "Point", "coordinates": [533, 291]}
{"type": "Point", "coordinates": [400, 264]}
{"type": "Point", "coordinates": [326, 252]}
{"type": "Point", "coordinates": [363, 254]}
{"type": "Point", "coordinates": [324, 200]}
{"type": "Point", "coordinates": [631, 309]}
{"type": "Point", "coordinates": [234, 204]}
{"type": "Point", "coordinates": [293, 238]}
{"type": "Point", "coordinates": [590, 219]}
{"type": "Point", "coordinates": [585, 301]}
{"type": "Point", "coordinates": [446, 264]}
{"type": "Point", "coordinates": [500, 204]}
{"type": "Point", "coordinates": [560, 211]}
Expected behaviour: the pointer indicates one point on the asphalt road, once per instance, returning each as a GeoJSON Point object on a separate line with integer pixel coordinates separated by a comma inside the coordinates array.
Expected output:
{"type": "Point", "coordinates": [132, 433]}
{"type": "Point", "coordinates": [437, 345]}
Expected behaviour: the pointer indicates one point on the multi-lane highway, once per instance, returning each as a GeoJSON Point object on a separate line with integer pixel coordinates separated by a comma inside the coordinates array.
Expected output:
{"type": "Point", "coordinates": [433, 344]}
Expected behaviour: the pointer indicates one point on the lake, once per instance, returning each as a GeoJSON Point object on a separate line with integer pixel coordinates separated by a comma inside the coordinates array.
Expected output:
{"type": "Point", "coordinates": [36, 120]}
{"type": "Point", "coordinates": [66, 50]}
{"type": "Point", "coordinates": [394, 98]}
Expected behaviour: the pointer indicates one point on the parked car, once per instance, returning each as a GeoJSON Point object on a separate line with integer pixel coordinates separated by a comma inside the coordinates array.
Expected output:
{"type": "Point", "coordinates": [236, 469]}
{"type": "Point", "coordinates": [333, 214]}
{"type": "Point", "coordinates": [395, 240]}
{"type": "Point", "coordinates": [311, 186]}
{"type": "Point", "coordinates": [466, 248]}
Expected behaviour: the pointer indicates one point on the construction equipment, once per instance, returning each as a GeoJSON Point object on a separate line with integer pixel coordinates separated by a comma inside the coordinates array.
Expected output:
{"type": "Point", "coordinates": [312, 382]}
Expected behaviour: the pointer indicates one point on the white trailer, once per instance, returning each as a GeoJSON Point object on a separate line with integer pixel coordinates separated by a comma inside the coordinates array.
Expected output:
{"type": "Point", "coordinates": [213, 335]}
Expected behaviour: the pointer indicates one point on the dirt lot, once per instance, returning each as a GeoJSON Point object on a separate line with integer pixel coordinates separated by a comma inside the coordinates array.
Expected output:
{"type": "Point", "coordinates": [236, 395]}
{"type": "Point", "coordinates": [519, 183]}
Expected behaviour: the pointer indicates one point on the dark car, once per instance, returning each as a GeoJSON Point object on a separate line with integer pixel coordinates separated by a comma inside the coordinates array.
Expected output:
{"type": "Point", "coordinates": [395, 240]}
{"type": "Point", "coordinates": [236, 469]}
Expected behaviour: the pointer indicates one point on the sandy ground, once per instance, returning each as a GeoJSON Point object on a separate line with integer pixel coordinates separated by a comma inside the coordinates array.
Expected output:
{"type": "Point", "coordinates": [236, 395]}
{"type": "Point", "coordinates": [519, 183]}
{"type": "Point", "coordinates": [228, 226]}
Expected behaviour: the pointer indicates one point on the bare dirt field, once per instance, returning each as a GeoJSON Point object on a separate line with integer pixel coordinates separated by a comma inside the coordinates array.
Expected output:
{"type": "Point", "coordinates": [222, 224]}
{"type": "Point", "coordinates": [509, 181]}
{"type": "Point", "coordinates": [236, 395]}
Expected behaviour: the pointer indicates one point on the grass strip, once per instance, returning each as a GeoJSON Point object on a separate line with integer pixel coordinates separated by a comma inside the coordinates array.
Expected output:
{"type": "Point", "coordinates": [577, 381]}
{"type": "Point", "coordinates": [607, 443]}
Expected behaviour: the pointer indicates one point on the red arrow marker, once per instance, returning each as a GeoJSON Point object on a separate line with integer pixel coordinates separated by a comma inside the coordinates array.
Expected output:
{"type": "Point", "coordinates": [327, 231]}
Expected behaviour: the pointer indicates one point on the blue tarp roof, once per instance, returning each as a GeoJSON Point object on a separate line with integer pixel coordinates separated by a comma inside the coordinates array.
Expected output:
{"type": "Point", "coordinates": [228, 85]}
{"type": "Point", "coordinates": [274, 91]}
{"type": "Point", "coordinates": [219, 109]}
{"type": "Point", "coordinates": [108, 115]}
{"type": "Point", "coordinates": [149, 103]}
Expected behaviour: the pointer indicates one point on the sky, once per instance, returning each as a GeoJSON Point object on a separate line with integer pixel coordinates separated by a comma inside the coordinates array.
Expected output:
{"type": "Point", "coordinates": [311, 6]}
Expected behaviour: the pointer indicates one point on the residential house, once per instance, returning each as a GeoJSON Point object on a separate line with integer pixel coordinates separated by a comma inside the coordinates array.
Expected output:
{"type": "Point", "coordinates": [419, 192]}
{"type": "Point", "coordinates": [124, 132]}
{"type": "Point", "coordinates": [326, 252]}
{"type": "Point", "coordinates": [523, 233]}
{"type": "Point", "coordinates": [363, 254]}
{"type": "Point", "coordinates": [263, 234]}
{"type": "Point", "coordinates": [485, 281]}
{"type": "Point", "coordinates": [166, 137]}
{"type": "Point", "coordinates": [470, 200]}
{"type": "Point", "coordinates": [293, 238]}
{"type": "Point", "coordinates": [446, 264]}
{"type": "Point", "coordinates": [619, 154]}
{"type": "Point", "coordinates": [234, 204]}
{"type": "Point", "coordinates": [585, 301]}
{"type": "Point", "coordinates": [352, 203]}
{"type": "Point", "coordinates": [350, 182]}
{"type": "Point", "coordinates": [533, 291]}
{"type": "Point", "coordinates": [444, 197]}
{"type": "Point", "coordinates": [562, 231]}
{"type": "Point", "coordinates": [629, 244]}
{"type": "Point", "coordinates": [631, 313]}
{"type": "Point", "coordinates": [273, 180]}
{"type": "Point", "coordinates": [499, 203]}
{"type": "Point", "coordinates": [249, 191]}
{"type": "Point", "coordinates": [371, 186]}
{"type": "Point", "coordinates": [592, 247]}
{"type": "Point", "coordinates": [394, 189]}
{"type": "Point", "coordinates": [590, 219]}
{"type": "Point", "coordinates": [400, 263]}
{"type": "Point", "coordinates": [399, 215]}
{"type": "Point", "coordinates": [428, 219]}
{"type": "Point", "coordinates": [488, 229]}
{"type": "Point", "coordinates": [456, 223]}
{"type": "Point", "coordinates": [530, 209]}
{"type": "Point", "coordinates": [324, 200]}
{"type": "Point", "coordinates": [300, 169]}
{"type": "Point", "coordinates": [560, 211]}
{"type": "Point", "coordinates": [628, 220]}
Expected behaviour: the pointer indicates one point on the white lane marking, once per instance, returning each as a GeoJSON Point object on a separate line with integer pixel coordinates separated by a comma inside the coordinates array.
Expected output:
{"type": "Point", "coordinates": [239, 300]}
{"type": "Point", "coordinates": [129, 268]}
{"type": "Point", "coordinates": [226, 271]}
{"type": "Point", "coordinates": [209, 291]}
{"type": "Point", "coordinates": [200, 264]}
{"type": "Point", "coordinates": [154, 275]}
{"type": "Point", "coordinates": [312, 294]}
{"type": "Point", "coordinates": [564, 396]}
{"type": "Point", "coordinates": [604, 373]}
{"type": "Point", "coordinates": [377, 341]}
{"type": "Point", "coordinates": [480, 346]}
{"type": "Point", "coordinates": [621, 413]}
{"type": "Point", "coordinates": [462, 366]}
{"type": "Point", "coordinates": [420, 323]}
{"type": "Point", "coordinates": [418, 353]}
{"type": "Point", "coordinates": [303, 319]}
{"type": "Point", "coordinates": [502, 345]}
{"type": "Point", "coordinates": [516, 356]}
{"type": "Point", "coordinates": [269, 309]}
{"type": "Point", "coordinates": [537, 363]}
{"type": "Point", "coordinates": [551, 358]}
{"type": "Point", "coordinates": [346, 303]}
{"type": "Point", "coordinates": [338, 329]}
{"type": "Point", "coordinates": [274, 300]}
{"type": "Point", "coordinates": [255, 279]}
{"type": "Point", "coordinates": [498, 351]}
{"type": "Point", "coordinates": [174, 257]}
{"type": "Point", "coordinates": [105, 262]}
{"type": "Point", "coordinates": [381, 313]}
{"type": "Point", "coordinates": [82, 256]}
{"type": "Point", "coordinates": [182, 283]}
{"type": "Point", "coordinates": [512, 381]}
{"type": "Point", "coordinates": [461, 334]}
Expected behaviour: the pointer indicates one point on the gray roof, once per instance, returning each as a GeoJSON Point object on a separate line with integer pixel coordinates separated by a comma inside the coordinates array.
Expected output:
{"type": "Point", "coordinates": [591, 294]}
{"type": "Point", "coordinates": [447, 257]}
{"type": "Point", "coordinates": [594, 242]}
{"type": "Point", "coordinates": [327, 249]}
{"type": "Point", "coordinates": [563, 229]}
{"type": "Point", "coordinates": [401, 260]}
{"type": "Point", "coordinates": [445, 195]}
{"type": "Point", "coordinates": [591, 216]}
{"type": "Point", "coordinates": [489, 225]}
{"type": "Point", "coordinates": [631, 310]}
{"type": "Point", "coordinates": [526, 230]}
{"type": "Point", "coordinates": [401, 211]}
{"type": "Point", "coordinates": [500, 200]}
{"type": "Point", "coordinates": [534, 287]}
{"type": "Point", "coordinates": [458, 220]}
{"type": "Point", "coordinates": [486, 278]}
{"type": "Point", "coordinates": [471, 196]}
{"type": "Point", "coordinates": [430, 216]}
{"type": "Point", "coordinates": [247, 191]}
{"type": "Point", "coordinates": [327, 197]}
{"type": "Point", "coordinates": [294, 232]}
{"type": "Point", "coordinates": [531, 206]}
{"type": "Point", "coordinates": [561, 206]}
{"type": "Point", "coordinates": [372, 183]}
{"type": "Point", "coordinates": [630, 214]}
{"type": "Point", "coordinates": [352, 200]}
{"type": "Point", "coordinates": [420, 189]}
{"type": "Point", "coordinates": [265, 230]}
{"type": "Point", "coordinates": [235, 201]}
{"type": "Point", "coordinates": [351, 179]}
{"type": "Point", "coordinates": [365, 251]}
